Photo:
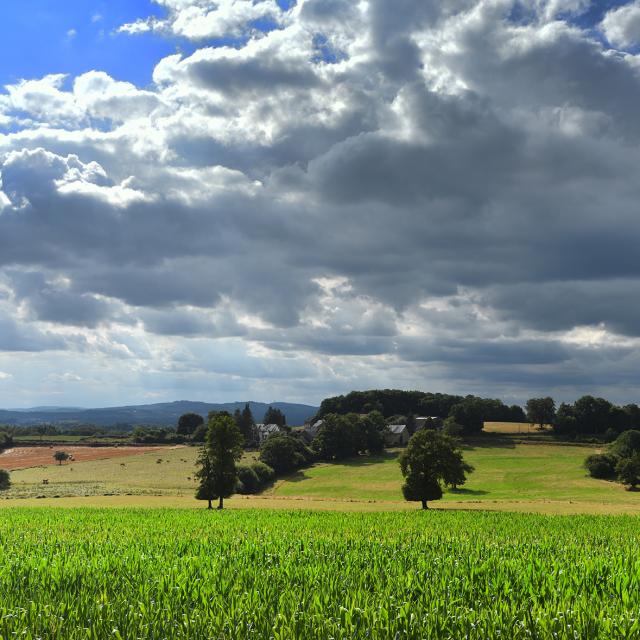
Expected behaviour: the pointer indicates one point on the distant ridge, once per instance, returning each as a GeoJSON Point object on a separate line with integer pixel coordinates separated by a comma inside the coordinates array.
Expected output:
{"type": "Point", "coordinates": [164, 414]}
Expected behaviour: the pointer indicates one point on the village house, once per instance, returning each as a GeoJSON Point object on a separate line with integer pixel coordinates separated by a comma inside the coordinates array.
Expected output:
{"type": "Point", "coordinates": [263, 431]}
{"type": "Point", "coordinates": [397, 435]}
{"type": "Point", "coordinates": [310, 430]}
{"type": "Point", "coordinates": [430, 422]}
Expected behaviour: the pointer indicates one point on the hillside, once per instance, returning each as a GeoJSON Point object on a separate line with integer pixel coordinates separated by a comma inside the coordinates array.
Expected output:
{"type": "Point", "coordinates": [164, 414]}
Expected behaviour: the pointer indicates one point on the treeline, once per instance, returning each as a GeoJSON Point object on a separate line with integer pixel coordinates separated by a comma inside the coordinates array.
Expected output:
{"type": "Point", "coordinates": [587, 416]}
{"type": "Point", "coordinates": [470, 412]}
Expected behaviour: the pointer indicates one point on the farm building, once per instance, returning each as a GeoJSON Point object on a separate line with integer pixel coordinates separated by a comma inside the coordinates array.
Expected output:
{"type": "Point", "coordinates": [430, 422]}
{"type": "Point", "coordinates": [263, 431]}
{"type": "Point", "coordinates": [311, 429]}
{"type": "Point", "coordinates": [397, 436]}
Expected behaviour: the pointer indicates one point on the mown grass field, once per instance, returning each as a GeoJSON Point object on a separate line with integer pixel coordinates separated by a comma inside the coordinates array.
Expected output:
{"type": "Point", "coordinates": [550, 477]}
{"type": "Point", "coordinates": [539, 477]}
{"type": "Point", "coordinates": [96, 574]}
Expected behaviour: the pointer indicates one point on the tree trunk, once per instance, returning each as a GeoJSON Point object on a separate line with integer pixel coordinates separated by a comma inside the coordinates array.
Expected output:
{"type": "Point", "coordinates": [220, 503]}
{"type": "Point", "coordinates": [210, 505]}
{"type": "Point", "coordinates": [424, 504]}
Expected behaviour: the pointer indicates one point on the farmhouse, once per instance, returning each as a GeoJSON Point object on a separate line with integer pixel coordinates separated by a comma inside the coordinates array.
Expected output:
{"type": "Point", "coordinates": [397, 436]}
{"type": "Point", "coordinates": [263, 431]}
{"type": "Point", "coordinates": [310, 430]}
{"type": "Point", "coordinates": [429, 422]}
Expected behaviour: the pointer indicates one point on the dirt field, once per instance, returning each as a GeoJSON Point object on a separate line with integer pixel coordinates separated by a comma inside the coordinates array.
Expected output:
{"type": "Point", "coordinates": [27, 457]}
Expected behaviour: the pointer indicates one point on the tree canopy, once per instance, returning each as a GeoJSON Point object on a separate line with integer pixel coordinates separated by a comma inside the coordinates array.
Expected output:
{"type": "Point", "coordinates": [273, 415]}
{"type": "Point", "coordinates": [188, 423]}
{"type": "Point", "coordinates": [431, 460]}
{"type": "Point", "coordinates": [217, 470]}
{"type": "Point", "coordinates": [541, 411]}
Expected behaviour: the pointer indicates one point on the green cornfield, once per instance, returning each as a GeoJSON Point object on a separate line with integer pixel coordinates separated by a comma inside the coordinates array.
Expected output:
{"type": "Point", "coordinates": [154, 574]}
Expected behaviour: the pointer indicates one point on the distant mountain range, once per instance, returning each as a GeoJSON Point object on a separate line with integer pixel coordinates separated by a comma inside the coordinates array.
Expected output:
{"type": "Point", "coordinates": [164, 414]}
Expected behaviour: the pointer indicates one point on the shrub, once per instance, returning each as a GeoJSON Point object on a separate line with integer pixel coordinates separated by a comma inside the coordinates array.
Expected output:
{"type": "Point", "coordinates": [249, 480]}
{"type": "Point", "coordinates": [626, 444]}
{"type": "Point", "coordinates": [610, 435]}
{"type": "Point", "coordinates": [285, 453]}
{"type": "Point", "coordinates": [628, 471]}
{"type": "Point", "coordinates": [5, 480]}
{"type": "Point", "coordinates": [601, 465]}
{"type": "Point", "coordinates": [264, 472]}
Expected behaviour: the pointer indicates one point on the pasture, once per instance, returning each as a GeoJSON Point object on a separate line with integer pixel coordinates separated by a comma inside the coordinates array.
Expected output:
{"type": "Point", "coordinates": [536, 477]}
{"type": "Point", "coordinates": [240, 574]}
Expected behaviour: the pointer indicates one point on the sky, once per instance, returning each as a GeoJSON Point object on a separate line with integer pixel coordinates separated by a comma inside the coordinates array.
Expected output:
{"type": "Point", "coordinates": [275, 200]}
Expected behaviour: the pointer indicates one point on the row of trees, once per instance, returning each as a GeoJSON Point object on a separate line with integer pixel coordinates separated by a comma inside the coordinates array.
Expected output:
{"type": "Point", "coordinates": [468, 411]}
{"type": "Point", "coordinates": [193, 426]}
{"type": "Point", "coordinates": [586, 416]}
{"type": "Point", "coordinates": [431, 460]}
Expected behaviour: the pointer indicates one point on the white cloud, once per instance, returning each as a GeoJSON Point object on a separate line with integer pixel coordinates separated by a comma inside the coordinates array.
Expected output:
{"type": "Point", "coordinates": [412, 194]}
{"type": "Point", "coordinates": [196, 20]}
{"type": "Point", "coordinates": [622, 25]}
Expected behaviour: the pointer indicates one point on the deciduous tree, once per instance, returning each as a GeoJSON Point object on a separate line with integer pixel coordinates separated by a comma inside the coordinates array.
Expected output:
{"type": "Point", "coordinates": [217, 470]}
{"type": "Point", "coordinates": [430, 460]}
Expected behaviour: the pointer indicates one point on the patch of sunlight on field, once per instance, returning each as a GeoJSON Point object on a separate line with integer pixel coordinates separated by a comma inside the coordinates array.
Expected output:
{"type": "Point", "coordinates": [510, 473]}
{"type": "Point", "coordinates": [515, 428]}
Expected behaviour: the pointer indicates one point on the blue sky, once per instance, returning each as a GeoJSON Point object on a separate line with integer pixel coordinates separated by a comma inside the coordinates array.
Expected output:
{"type": "Point", "coordinates": [36, 40]}
{"type": "Point", "coordinates": [41, 37]}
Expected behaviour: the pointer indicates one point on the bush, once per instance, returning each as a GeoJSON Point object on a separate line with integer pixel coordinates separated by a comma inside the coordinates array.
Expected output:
{"type": "Point", "coordinates": [249, 479]}
{"type": "Point", "coordinates": [285, 453]}
{"type": "Point", "coordinates": [626, 444]}
{"type": "Point", "coordinates": [264, 472]}
{"type": "Point", "coordinates": [5, 480]}
{"type": "Point", "coordinates": [610, 435]}
{"type": "Point", "coordinates": [253, 478]}
{"type": "Point", "coordinates": [628, 471]}
{"type": "Point", "coordinates": [601, 465]}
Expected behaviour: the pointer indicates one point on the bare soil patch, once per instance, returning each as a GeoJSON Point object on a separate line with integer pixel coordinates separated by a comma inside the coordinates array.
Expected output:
{"type": "Point", "coordinates": [27, 457]}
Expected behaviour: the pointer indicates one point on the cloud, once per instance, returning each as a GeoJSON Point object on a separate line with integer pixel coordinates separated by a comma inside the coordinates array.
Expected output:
{"type": "Point", "coordinates": [426, 195]}
{"type": "Point", "coordinates": [198, 20]}
{"type": "Point", "coordinates": [621, 26]}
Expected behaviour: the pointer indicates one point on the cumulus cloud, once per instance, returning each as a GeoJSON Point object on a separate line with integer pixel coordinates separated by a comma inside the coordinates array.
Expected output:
{"type": "Point", "coordinates": [418, 194]}
{"type": "Point", "coordinates": [622, 25]}
{"type": "Point", "coordinates": [198, 19]}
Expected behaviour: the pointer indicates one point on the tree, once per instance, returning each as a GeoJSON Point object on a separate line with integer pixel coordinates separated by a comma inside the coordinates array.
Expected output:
{"type": "Point", "coordinates": [339, 437]}
{"type": "Point", "coordinates": [61, 456]}
{"type": "Point", "coordinates": [452, 428]}
{"type": "Point", "coordinates": [412, 424]}
{"type": "Point", "coordinates": [374, 430]}
{"type": "Point", "coordinates": [541, 411]}
{"type": "Point", "coordinates": [275, 416]}
{"type": "Point", "coordinates": [246, 424]}
{"type": "Point", "coordinates": [430, 460]}
{"type": "Point", "coordinates": [628, 471]}
{"type": "Point", "coordinates": [188, 423]}
{"type": "Point", "coordinates": [627, 444]}
{"type": "Point", "coordinates": [5, 480]}
{"type": "Point", "coordinates": [217, 471]}
{"type": "Point", "coordinates": [601, 465]}
{"type": "Point", "coordinates": [284, 453]}
{"type": "Point", "coordinates": [469, 414]}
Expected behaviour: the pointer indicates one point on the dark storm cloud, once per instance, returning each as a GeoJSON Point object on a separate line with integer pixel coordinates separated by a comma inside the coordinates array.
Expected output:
{"type": "Point", "coordinates": [445, 153]}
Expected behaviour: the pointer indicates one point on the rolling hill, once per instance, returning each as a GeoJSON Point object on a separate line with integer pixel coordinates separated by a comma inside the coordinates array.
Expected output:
{"type": "Point", "coordinates": [164, 414]}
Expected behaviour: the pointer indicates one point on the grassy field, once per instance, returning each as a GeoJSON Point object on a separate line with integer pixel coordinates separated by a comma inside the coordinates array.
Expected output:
{"type": "Point", "coordinates": [167, 472]}
{"type": "Point", "coordinates": [175, 574]}
{"type": "Point", "coordinates": [544, 475]}
{"type": "Point", "coordinates": [513, 476]}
